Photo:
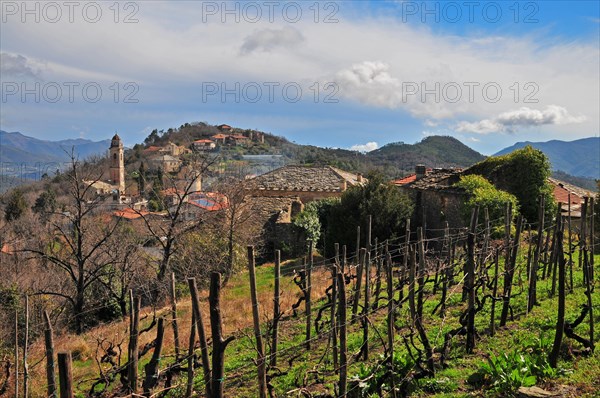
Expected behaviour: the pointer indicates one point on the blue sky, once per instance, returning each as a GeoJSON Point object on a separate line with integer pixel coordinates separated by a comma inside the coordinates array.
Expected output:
{"type": "Point", "coordinates": [488, 73]}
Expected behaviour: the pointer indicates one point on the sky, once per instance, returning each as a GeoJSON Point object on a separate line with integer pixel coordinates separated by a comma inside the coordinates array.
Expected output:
{"type": "Point", "coordinates": [351, 74]}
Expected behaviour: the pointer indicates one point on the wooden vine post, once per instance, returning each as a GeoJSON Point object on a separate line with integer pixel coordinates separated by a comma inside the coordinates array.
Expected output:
{"type": "Point", "coordinates": [262, 373]}
{"type": "Point", "coordinates": [308, 303]}
{"type": "Point", "coordinates": [134, 330]}
{"type": "Point", "coordinates": [219, 343]}
{"type": "Point", "coordinates": [560, 319]}
{"type": "Point", "coordinates": [50, 369]}
{"type": "Point", "coordinates": [151, 367]}
{"type": "Point", "coordinates": [201, 333]}
{"type": "Point", "coordinates": [65, 374]}
{"type": "Point", "coordinates": [190, 361]}
{"type": "Point", "coordinates": [508, 280]}
{"type": "Point", "coordinates": [367, 306]}
{"type": "Point", "coordinates": [174, 316]}
{"type": "Point", "coordinates": [390, 320]}
{"type": "Point", "coordinates": [276, 308]}
{"type": "Point", "coordinates": [359, 278]}
{"type": "Point", "coordinates": [532, 296]}
{"type": "Point", "coordinates": [25, 349]}
{"type": "Point", "coordinates": [570, 244]}
{"type": "Point", "coordinates": [494, 293]}
{"type": "Point", "coordinates": [586, 271]}
{"type": "Point", "coordinates": [470, 282]}
{"type": "Point", "coordinates": [333, 334]}
{"type": "Point", "coordinates": [16, 347]}
{"type": "Point", "coordinates": [421, 271]}
{"type": "Point", "coordinates": [343, 336]}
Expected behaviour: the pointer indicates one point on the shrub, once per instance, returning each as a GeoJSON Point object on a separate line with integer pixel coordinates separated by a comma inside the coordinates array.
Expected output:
{"type": "Point", "coordinates": [483, 194]}
{"type": "Point", "coordinates": [523, 173]}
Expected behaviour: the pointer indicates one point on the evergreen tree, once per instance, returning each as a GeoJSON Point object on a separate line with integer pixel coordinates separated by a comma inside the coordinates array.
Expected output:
{"type": "Point", "coordinates": [16, 206]}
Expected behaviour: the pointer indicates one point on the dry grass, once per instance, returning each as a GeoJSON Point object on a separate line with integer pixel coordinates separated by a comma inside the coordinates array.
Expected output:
{"type": "Point", "coordinates": [236, 312]}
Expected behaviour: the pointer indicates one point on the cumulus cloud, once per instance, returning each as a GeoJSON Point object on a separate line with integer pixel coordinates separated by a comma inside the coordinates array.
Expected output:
{"type": "Point", "coordinates": [370, 82]}
{"type": "Point", "coordinates": [368, 147]}
{"type": "Point", "coordinates": [522, 117]}
{"type": "Point", "coordinates": [16, 65]}
{"type": "Point", "coordinates": [269, 39]}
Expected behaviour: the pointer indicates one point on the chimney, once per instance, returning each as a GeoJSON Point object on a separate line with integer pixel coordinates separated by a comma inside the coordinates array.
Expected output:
{"type": "Point", "coordinates": [359, 178]}
{"type": "Point", "coordinates": [420, 171]}
{"type": "Point", "coordinates": [343, 185]}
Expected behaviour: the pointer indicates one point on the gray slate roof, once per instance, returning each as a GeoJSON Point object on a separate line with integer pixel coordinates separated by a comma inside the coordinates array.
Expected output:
{"type": "Point", "coordinates": [304, 178]}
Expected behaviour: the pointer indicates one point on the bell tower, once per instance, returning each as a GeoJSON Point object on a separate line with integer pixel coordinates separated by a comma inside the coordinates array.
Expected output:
{"type": "Point", "coordinates": [117, 164]}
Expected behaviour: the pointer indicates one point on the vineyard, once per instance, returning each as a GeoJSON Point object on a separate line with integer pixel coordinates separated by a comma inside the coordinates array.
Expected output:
{"type": "Point", "coordinates": [430, 313]}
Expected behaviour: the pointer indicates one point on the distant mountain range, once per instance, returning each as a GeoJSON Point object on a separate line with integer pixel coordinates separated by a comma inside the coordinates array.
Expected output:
{"type": "Point", "coordinates": [575, 158]}
{"type": "Point", "coordinates": [580, 158]}
{"type": "Point", "coordinates": [19, 148]}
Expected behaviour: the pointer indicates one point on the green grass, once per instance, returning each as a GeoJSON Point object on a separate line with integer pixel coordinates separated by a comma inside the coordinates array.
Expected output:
{"type": "Point", "coordinates": [313, 369]}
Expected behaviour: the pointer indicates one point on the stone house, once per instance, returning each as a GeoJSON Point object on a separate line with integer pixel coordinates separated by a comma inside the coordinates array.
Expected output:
{"type": "Point", "coordinates": [564, 191]}
{"type": "Point", "coordinates": [278, 196]}
{"type": "Point", "coordinates": [305, 183]}
{"type": "Point", "coordinates": [167, 163]}
{"type": "Point", "coordinates": [436, 200]}
{"type": "Point", "coordinates": [203, 145]}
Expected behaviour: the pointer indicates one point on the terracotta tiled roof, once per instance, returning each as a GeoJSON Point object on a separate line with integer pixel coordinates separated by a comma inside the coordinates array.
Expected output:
{"type": "Point", "coordinates": [130, 214]}
{"type": "Point", "coordinates": [7, 249]}
{"type": "Point", "coordinates": [405, 180]}
{"type": "Point", "coordinates": [562, 190]}
{"type": "Point", "coordinates": [152, 149]}
{"type": "Point", "coordinates": [219, 136]}
{"type": "Point", "coordinates": [238, 137]}
{"type": "Point", "coordinates": [203, 142]}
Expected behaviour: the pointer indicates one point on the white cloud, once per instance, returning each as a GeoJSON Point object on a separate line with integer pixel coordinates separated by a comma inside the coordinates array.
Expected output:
{"type": "Point", "coordinates": [369, 57]}
{"type": "Point", "coordinates": [522, 117]}
{"type": "Point", "coordinates": [269, 39]}
{"type": "Point", "coordinates": [16, 65]}
{"type": "Point", "coordinates": [368, 147]}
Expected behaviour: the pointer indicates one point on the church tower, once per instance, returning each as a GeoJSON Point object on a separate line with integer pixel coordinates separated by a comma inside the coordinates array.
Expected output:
{"type": "Point", "coordinates": [117, 164]}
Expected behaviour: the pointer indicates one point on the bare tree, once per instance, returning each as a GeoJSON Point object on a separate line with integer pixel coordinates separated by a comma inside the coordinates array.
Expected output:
{"type": "Point", "coordinates": [127, 266]}
{"type": "Point", "coordinates": [74, 241]}
{"type": "Point", "coordinates": [168, 229]}
{"type": "Point", "coordinates": [239, 227]}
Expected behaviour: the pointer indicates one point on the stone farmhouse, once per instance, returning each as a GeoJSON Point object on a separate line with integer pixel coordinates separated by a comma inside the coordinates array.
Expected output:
{"type": "Point", "coordinates": [278, 196]}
